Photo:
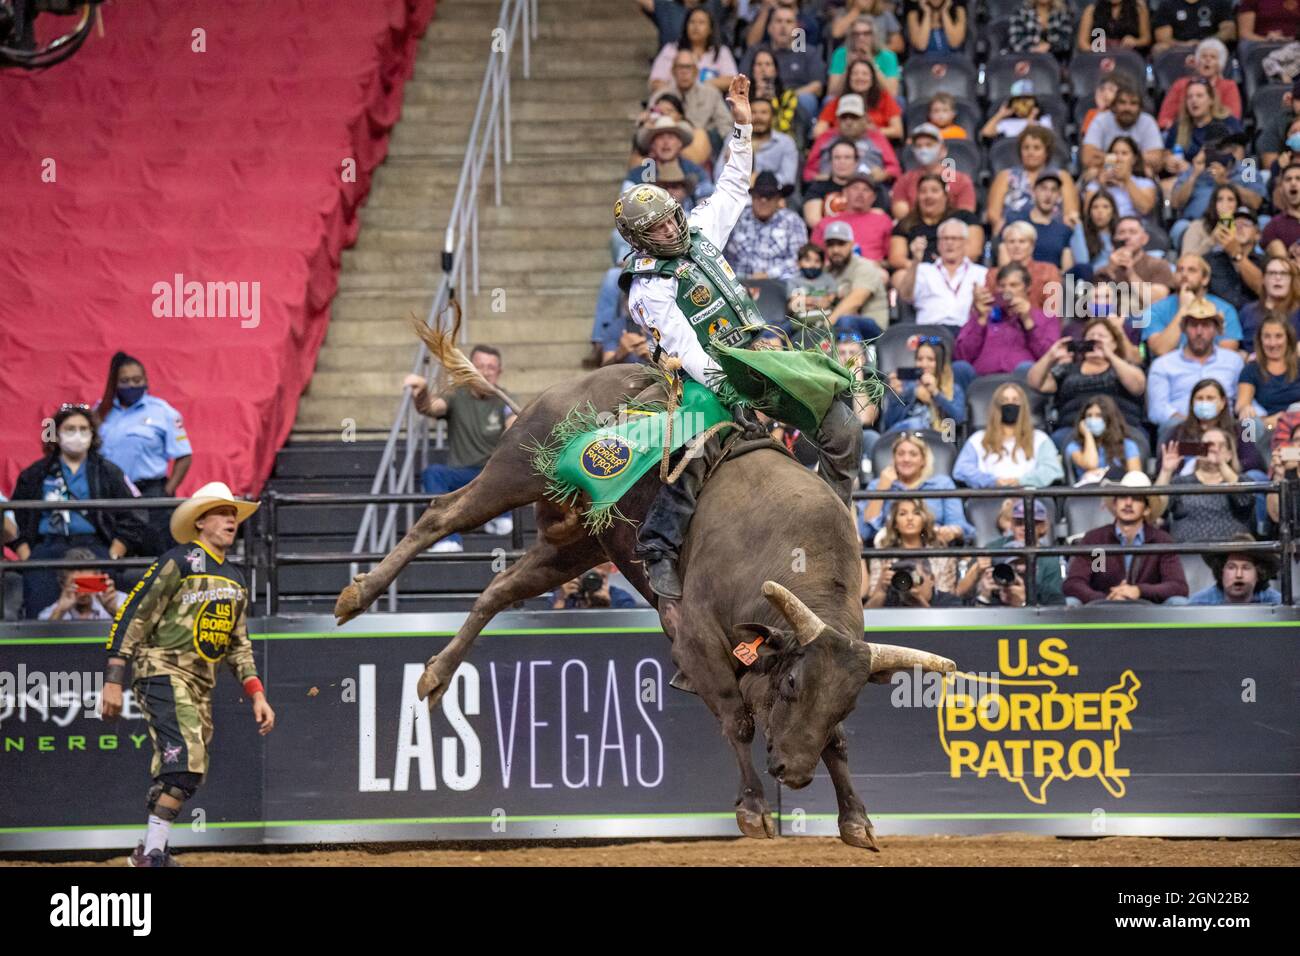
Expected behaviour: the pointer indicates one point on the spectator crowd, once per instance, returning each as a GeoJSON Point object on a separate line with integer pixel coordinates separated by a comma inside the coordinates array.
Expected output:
{"type": "Point", "coordinates": [1065, 235]}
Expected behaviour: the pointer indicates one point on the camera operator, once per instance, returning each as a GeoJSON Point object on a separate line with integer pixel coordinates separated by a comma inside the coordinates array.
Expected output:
{"type": "Point", "coordinates": [1001, 583]}
{"type": "Point", "coordinates": [908, 584]}
{"type": "Point", "coordinates": [591, 590]}
{"type": "Point", "coordinates": [977, 581]}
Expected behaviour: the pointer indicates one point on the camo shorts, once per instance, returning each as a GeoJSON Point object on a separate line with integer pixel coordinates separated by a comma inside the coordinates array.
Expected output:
{"type": "Point", "coordinates": [180, 723]}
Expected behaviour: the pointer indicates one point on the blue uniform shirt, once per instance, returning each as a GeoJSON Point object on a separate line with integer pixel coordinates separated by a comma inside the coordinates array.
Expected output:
{"type": "Point", "coordinates": [142, 439]}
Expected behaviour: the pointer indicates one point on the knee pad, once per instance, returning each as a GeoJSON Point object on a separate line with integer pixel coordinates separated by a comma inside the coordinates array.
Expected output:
{"type": "Point", "coordinates": [179, 786]}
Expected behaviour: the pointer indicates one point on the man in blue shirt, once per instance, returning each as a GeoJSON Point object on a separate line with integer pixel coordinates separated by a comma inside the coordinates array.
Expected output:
{"type": "Point", "coordinates": [1173, 377]}
{"type": "Point", "coordinates": [1162, 328]}
{"type": "Point", "coordinates": [1242, 578]}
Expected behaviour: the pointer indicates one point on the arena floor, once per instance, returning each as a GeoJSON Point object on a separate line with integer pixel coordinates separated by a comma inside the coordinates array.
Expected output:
{"type": "Point", "coordinates": [1003, 850]}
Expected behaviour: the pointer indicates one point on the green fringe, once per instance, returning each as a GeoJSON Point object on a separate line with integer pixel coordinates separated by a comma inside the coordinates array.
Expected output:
{"type": "Point", "coordinates": [545, 457]}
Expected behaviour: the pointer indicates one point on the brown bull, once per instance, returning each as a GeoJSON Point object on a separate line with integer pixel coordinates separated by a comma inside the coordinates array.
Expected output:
{"type": "Point", "coordinates": [765, 530]}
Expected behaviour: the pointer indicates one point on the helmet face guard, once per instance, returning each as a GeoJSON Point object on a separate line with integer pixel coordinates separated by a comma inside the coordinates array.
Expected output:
{"type": "Point", "coordinates": [640, 209]}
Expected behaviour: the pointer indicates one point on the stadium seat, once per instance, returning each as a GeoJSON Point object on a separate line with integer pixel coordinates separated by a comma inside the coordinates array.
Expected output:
{"type": "Point", "coordinates": [965, 153]}
{"type": "Point", "coordinates": [1172, 64]}
{"type": "Point", "coordinates": [1084, 514]}
{"type": "Point", "coordinates": [945, 453]}
{"type": "Point", "coordinates": [1041, 68]}
{"type": "Point", "coordinates": [1198, 573]}
{"type": "Point", "coordinates": [930, 73]}
{"type": "Point", "coordinates": [1266, 104]}
{"type": "Point", "coordinates": [983, 514]}
{"type": "Point", "coordinates": [993, 37]}
{"type": "Point", "coordinates": [981, 391]}
{"type": "Point", "coordinates": [968, 115]}
{"type": "Point", "coordinates": [894, 349]}
{"type": "Point", "coordinates": [1251, 57]}
{"type": "Point", "coordinates": [1086, 70]}
{"type": "Point", "coordinates": [770, 296]}
{"type": "Point", "coordinates": [1005, 153]}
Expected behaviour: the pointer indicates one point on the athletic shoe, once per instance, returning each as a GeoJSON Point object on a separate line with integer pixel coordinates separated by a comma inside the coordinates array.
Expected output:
{"type": "Point", "coordinates": [500, 526]}
{"type": "Point", "coordinates": [447, 544]}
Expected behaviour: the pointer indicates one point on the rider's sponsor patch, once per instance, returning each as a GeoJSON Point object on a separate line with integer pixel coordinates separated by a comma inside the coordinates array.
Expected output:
{"type": "Point", "coordinates": [701, 295]}
{"type": "Point", "coordinates": [644, 264]}
{"type": "Point", "coordinates": [606, 457]}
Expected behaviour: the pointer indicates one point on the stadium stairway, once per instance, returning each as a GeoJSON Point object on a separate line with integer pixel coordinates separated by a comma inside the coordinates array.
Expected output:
{"type": "Point", "coordinates": [542, 251]}
{"type": "Point", "coordinates": [445, 584]}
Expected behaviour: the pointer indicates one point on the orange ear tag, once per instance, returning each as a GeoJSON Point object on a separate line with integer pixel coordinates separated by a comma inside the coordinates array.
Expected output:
{"type": "Point", "coordinates": [747, 652]}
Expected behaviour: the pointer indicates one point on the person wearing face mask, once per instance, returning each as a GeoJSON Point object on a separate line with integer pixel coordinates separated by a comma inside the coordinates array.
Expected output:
{"type": "Point", "coordinates": [1100, 449]}
{"type": "Point", "coordinates": [930, 151]}
{"type": "Point", "coordinates": [1010, 452]}
{"type": "Point", "coordinates": [1208, 407]}
{"type": "Point", "coordinates": [142, 434]}
{"type": "Point", "coordinates": [72, 468]}
{"type": "Point", "coordinates": [1172, 377]}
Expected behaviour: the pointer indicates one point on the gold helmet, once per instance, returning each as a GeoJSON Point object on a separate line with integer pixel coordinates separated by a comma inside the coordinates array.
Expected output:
{"type": "Point", "coordinates": [643, 207]}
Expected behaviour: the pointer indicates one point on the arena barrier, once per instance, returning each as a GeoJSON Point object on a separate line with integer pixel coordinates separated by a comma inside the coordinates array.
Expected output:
{"type": "Point", "coordinates": [1107, 721]}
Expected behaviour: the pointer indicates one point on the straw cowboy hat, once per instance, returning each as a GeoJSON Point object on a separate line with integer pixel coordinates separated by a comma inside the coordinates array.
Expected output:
{"type": "Point", "coordinates": [214, 494]}
{"type": "Point", "coordinates": [1136, 480]}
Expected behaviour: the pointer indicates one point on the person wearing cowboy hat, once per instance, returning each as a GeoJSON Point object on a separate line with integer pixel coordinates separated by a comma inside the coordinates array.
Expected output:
{"type": "Point", "coordinates": [1106, 576]}
{"type": "Point", "coordinates": [186, 615]}
{"type": "Point", "coordinates": [661, 141]}
{"type": "Point", "coordinates": [765, 242]}
{"type": "Point", "coordinates": [1173, 376]}
{"type": "Point", "coordinates": [1241, 577]}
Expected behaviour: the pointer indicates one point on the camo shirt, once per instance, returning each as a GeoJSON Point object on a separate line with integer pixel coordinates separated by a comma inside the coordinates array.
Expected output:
{"type": "Point", "coordinates": [188, 612]}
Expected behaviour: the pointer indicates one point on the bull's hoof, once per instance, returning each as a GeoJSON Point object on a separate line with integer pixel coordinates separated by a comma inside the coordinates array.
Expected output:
{"type": "Point", "coordinates": [855, 833]}
{"type": "Point", "coordinates": [433, 682]}
{"type": "Point", "coordinates": [351, 601]}
{"type": "Point", "coordinates": [756, 825]}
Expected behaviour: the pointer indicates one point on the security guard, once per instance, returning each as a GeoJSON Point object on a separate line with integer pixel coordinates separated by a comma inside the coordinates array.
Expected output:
{"type": "Point", "coordinates": [187, 614]}
{"type": "Point", "coordinates": [142, 434]}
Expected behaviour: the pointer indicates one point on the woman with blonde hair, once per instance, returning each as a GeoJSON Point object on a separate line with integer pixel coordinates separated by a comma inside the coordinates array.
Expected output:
{"type": "Point", "coordinates": [910, 525]}
{"type": "Point", "coordinates": [1010, 452]}
{"type": "Point", "coordinates": [1207, 517]}
{"type": "Point", "coordinates": [1201, 107]}
{"type": "Point", "coordinates": [913, 470]}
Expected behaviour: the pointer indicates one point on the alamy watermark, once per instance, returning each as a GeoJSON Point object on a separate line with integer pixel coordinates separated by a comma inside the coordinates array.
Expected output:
{"type": "Point", "coordinates": [181, 299]}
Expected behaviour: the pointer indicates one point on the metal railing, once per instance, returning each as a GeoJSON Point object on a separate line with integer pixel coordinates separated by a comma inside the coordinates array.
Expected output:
{"type": "Point", "coordinates": [406, 448]}
{"type": "Point", "coordinates": [261, 555]}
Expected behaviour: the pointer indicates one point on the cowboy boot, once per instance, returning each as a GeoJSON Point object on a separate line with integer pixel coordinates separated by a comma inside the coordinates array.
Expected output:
{"type": "Point", "coordinates": [839, 450]}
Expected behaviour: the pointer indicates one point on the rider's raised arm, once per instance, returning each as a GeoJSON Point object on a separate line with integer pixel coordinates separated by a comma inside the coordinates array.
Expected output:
{"type": "Point", "coordinates": [653, 305]}
{"type": "Point", "coordinates": [717, 215]}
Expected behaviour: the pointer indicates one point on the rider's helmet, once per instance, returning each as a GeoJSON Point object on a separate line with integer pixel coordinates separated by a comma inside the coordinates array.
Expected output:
{"type": "Point", "coordinates": [643, 207]}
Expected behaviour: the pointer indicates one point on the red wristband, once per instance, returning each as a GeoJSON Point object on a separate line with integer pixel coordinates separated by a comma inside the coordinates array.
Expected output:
{"type": "Point", "coordinates": [253, 686]}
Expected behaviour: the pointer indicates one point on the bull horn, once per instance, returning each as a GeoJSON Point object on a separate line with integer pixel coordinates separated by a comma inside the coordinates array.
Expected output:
{"type": "Point", "coordinates": [892, 657]}
{"type": "Point", "coordinates": [807, 625]}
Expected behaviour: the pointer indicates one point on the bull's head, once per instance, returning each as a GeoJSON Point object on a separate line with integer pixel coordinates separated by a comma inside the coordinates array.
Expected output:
{"type": "Point", "coordinates": [814, 674]}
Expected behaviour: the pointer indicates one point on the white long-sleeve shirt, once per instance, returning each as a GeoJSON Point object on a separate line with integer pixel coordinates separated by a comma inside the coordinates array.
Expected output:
{"type": "Point", "coordinates": [652, 300]}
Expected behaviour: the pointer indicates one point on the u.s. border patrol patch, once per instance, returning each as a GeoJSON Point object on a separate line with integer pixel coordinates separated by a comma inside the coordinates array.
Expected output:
{"type": "Point", "coordinates": [606, 457]}
{"type": "Point", "coordinates": [701, 295]}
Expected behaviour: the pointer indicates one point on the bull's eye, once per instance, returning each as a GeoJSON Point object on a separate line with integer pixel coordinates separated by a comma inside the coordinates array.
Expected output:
{"type": "Point", "coordinates": [789, 687]}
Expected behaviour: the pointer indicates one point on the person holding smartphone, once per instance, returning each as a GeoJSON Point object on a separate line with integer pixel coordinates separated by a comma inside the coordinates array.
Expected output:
{"type": "Point", "coordinates": [85, 594]}
{"type": "Point", "coordinates": [1004, 332]}
{"type": "Point", "coordinates": [1206, 517]}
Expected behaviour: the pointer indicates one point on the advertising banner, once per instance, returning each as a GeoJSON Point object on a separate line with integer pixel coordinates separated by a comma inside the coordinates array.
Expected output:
{"type": "Point", "coordinates": [563, 725]}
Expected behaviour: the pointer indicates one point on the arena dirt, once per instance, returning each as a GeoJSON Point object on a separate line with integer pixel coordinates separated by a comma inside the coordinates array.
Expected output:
{"type": "Point", "coordinates": [1005, 850]}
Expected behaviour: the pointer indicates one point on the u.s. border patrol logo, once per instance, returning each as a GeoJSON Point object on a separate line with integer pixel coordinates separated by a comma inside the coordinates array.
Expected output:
{"type": "Point", "coordinates": [701, 295]}
{"type": "Point", "coordinates": [606, 457]}
{"type": "Point", "coordinates": [618, 208]}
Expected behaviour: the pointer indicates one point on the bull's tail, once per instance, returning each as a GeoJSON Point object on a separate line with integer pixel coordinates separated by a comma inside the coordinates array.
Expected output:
{"type": "Point", "coordinates": [442, 346]}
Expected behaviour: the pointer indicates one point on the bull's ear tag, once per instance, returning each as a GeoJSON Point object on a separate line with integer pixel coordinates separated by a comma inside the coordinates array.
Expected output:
{"type": "Point", "coordinates": [747, 651]}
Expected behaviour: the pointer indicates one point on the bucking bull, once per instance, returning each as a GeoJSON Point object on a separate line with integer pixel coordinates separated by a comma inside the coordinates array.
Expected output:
{"type": "Point", "coordinates": [771, 561]}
